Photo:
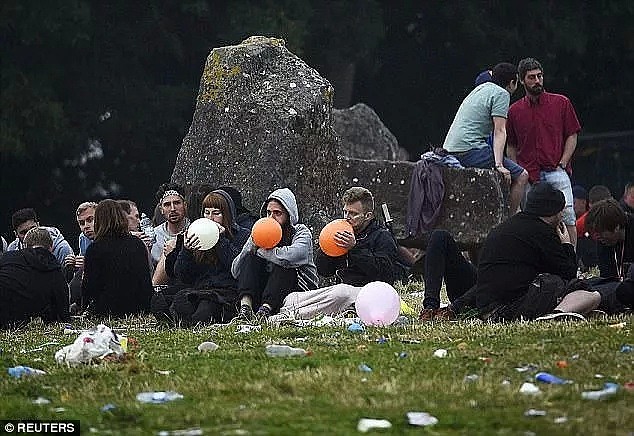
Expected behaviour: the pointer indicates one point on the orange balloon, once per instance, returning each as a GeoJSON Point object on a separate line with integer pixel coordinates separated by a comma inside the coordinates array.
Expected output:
{"type": "Point", "coordinates": [327, 237]}
{"type": "Point", "coordinates": [266, 233]}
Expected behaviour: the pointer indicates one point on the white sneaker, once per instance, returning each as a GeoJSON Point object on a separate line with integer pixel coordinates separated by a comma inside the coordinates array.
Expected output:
{"type": "Point", "coordinates": [562, 316]}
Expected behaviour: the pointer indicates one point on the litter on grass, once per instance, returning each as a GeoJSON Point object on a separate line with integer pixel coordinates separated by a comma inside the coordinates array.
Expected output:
{"type": "Point", "coordinates": [421, 419]}
{"type": "Point", "coordinates": [41, 401]}
{"type": "Point", "coordinates": [366, 424]}
{"type": "Point", "coordinates": [207, 346]}
{"type": "Point", "coordinates": [108, 407]}
{"type": "Point", "coordinates": [96, 343]}
{"type": "Point", "coordinates": [609, 390]}
{"type": "Point", "coordinates": [545, 377]}
{"type": "Point", "coordinates": [24, 371]}
{"type": "Point", "coordinates": [158, 397]}
{"type": "Point", "coordinates": [355, 328]}
{"type": "Point", "coordinates": [534, 412]}
{"type": "Point", "coordinates": [626, 348]}
{"type": "Point", "coordinates": [440, 353]}
{"type": "Point", "coordinates": [364, 368]}
{"type": "Point", "coordinates": [529, 389]}
{"type": "Point", "coordinates": [187, 432]}
{"type": "Point", "coordinates": [284, 351]}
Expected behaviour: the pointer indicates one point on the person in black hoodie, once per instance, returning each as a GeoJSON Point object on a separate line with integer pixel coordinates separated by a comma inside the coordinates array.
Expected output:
{"type": "Point", "coordinates": [212, 292]}
{"type": "Point", "coordinates": [116, 278]}
{"type": "Point", "coordinates": [32, 283]}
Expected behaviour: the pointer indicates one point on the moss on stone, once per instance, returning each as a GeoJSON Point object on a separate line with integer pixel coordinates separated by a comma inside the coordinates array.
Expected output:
{"type": "Point", "coordinates": [214, 79]}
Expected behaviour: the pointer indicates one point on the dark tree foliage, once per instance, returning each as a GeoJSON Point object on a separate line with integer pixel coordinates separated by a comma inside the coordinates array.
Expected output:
{"type": "Point", "coordinates": [96, 97]}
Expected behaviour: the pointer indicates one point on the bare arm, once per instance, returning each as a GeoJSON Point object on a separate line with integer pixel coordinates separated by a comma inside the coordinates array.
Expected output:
{"type": "Point", "coordinates": [511, 151]}
{"type": "Point", "coordinates": [569, 148]}
{"type": "Point", "coordinates": [499, 140]}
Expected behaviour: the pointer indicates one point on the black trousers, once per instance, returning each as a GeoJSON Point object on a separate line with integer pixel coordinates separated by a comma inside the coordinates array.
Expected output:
{"type": "Point", "coordinates": [265, 282]}
{"type": "Point", "coordinates": [444, 260]}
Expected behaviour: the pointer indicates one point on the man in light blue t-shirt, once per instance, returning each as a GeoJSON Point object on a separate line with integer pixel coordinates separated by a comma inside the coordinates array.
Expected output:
{"type": "Point", "coordinates": [484, 111]}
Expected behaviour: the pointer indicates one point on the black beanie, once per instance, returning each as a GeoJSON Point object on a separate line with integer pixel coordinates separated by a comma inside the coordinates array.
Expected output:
{"type": "Point", "coordinates": [544, 200]}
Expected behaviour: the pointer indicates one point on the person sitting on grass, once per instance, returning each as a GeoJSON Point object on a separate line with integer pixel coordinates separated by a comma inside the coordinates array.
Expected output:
{"type": "Point", "coordinates": [31, 282]}
{"type": "Point", "coordinates": [614, 230]}
{"type": "Point", "coordinates": [372, 256]}
{"type": "Point", "coordinates": [267, 275]}
{"type": "Point", "coordinates": [212, 292]}
{"type": "Point", "coordinates": [519, 252]}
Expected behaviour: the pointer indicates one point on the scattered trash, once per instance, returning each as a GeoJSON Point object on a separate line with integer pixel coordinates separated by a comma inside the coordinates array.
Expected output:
{"type": "Point", "coordinates": [41, 400]}
{"type": "Point", "coordinates": [401, 321]}
{"type": "Point", "coordinates": [529, 389]}
{"type": "Point", "coordinates": [534, 412]}
{"type": "Point", "coordinates": [471, 378]}
{"type": "Point", "coordinates": [381, 340]}
{"type": "Point", "coordinates": [440, 353]}
{"type": "Point", "coordinates": [619, 325]}
{"type": "Point", "coordinates": [284, 351]}
{"type": "Point", "coordinates": [626, 349]}
{"type": "Point", "coordinates": [402, 355]}
{"type": "Point", "coordinates": [550, 379]}
{"type": "Point", "coordinates": [95, 343]}
{"type": "Point", "coordinates": [108, 407]}
{"type": "Point", "coordinates": [158, 397]}
{"type": "Point", "coordinates": [366, 424]}
{"type": "Point", "coordinates": [355, 328]}
{"type": "Point", "coordinates": [486, 359]}
{"type": "Point", "coordinates": [363, 380]}
{"type": "Point", "coordinates": [24, 371]}
{"type": "Point", "coordinates": [59, 409]}
{"type": "Point", "coordinates": [561, 364]}
{"type": "Point", "coordinates": [421, 419]}
{"type": "Point", "coordinates": [609, 389]}
{"type": "Point", "coordinates": [163, 371]}
{"type": "Point", "coordinates": [599, 376]}
{"type": "Point", "coordinates": [410, 341]}
{"type": "Point", "coordinates": [574, 357]}
{"type": "Point", "coordinates": [560, 420]}
{"type": "Point", "coordinates": [207, 346]}
{"type": "Point", "coordinates": [300, 339]}
{"type": "Point", "coordinates": [187, 432]}
{"type": "Point", "coordinates": [364, 368]}
{"type": "Point", "coordinates": [629, 386]}
{"type": "Point", "coordinates": [526, 368]}
{"type": "Point", "coordinates": [506, 382]}
{"type": "Point", "coordinates": [247, 328]}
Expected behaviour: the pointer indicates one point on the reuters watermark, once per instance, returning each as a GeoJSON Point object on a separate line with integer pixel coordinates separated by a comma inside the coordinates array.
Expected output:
{"type": "Point", "coordinates": [33, 426]}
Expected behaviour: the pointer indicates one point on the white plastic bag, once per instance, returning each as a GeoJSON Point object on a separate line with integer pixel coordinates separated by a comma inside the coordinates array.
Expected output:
{"type": "Point", "coordinates": [95, 343]}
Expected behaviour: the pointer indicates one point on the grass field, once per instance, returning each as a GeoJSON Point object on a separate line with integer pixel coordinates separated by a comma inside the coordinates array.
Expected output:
{"type": "Point", "coordinates": [238, 390]}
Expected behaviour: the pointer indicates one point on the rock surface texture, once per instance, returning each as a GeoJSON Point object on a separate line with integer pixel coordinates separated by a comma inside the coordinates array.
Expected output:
{"type": "Point", "coordinates": [363, 135]}
{"type": "Point", "coordinates": [264, 120]}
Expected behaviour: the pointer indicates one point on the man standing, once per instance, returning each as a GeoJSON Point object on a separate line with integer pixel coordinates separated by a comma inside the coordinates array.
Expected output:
{"type": "Point", "coordinates": [174, 208]}
{"type": "Point", "coordinates": [372, 256]}
{"type": "Point", "coordinates": [24, 220]}
{"type": "Point", "coordinates": [31, 282]}
{"type": "Point", "coordinates": [484, 111]}
{"type": "Point", "coordinates": [542, 136]}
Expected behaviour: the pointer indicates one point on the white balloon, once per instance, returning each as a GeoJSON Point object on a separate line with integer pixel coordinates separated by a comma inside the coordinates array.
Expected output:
{"type": "Point", "coordinates": [207, 232]}
{"type": "Point", "coordinates": [378, 303]}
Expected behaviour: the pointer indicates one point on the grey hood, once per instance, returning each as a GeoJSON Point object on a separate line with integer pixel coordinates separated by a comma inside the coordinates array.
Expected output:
{"type": "Point", "coordinates": [232, 206]}
{"type": "Point", "coordinates": [287, 199]}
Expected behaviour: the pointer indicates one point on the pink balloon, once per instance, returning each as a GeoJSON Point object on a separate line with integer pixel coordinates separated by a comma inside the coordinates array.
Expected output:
{"type": "Point", "coordinates": [378, 304]}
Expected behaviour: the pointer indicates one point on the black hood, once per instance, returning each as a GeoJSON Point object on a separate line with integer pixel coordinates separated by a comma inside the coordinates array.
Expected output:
{"type": "Point", "coordinates": [38, 258]}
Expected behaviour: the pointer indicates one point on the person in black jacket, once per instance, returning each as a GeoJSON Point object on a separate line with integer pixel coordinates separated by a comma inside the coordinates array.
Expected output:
{"type": "Point", "coordinates": [32, 283]}
{"type": "Point", "coordinates": [211, 293]}
{"type": "Point", "coordinates": [528, 244]}
{"type": "Point", "coordinates": [372, 256]}
{"type": "Point", "coordinates": [116, 278]}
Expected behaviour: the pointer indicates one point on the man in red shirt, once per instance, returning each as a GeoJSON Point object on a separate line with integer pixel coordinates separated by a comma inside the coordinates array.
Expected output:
{"type": "Point", "coordinates": [542, 133]}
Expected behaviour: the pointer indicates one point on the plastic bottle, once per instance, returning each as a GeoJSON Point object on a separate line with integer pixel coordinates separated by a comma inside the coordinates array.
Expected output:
{"type": "Point", "coordinates": [284, 351]}
{"type": "Point", "coordinates": [608, 390]}
{"type": "Point", "coordinates": [147, 227]}
{"type": "Point", "coordinates": [24, 371]}
{"type": "Point", "coordinates": [158, 397]}
{"type": "Point", "coordinates": [545, 377]}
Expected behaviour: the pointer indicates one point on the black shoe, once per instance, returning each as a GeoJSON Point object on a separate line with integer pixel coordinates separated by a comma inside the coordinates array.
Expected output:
{"type": "Point", "coordinates": [263, 312]}
{"type": "Point", "coordinates": [246, 313]}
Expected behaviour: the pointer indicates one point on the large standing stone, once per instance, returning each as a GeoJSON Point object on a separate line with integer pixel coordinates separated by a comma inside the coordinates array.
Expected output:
{"type": "Point", "coordinates": [364, 136]}
{"type": "Point", "coordinates": [263, 120]}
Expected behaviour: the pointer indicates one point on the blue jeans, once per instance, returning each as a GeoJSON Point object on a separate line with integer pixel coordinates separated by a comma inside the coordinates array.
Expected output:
{"type": "Point", "coordinates": [483, 158]}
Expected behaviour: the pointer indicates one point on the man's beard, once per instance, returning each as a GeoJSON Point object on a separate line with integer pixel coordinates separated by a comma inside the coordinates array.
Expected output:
{"type": "Point", "coordinates": [535, 90]}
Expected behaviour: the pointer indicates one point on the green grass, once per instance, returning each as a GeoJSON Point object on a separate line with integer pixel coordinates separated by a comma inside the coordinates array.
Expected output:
{"type": "Point", "coordinates": [239, 390]}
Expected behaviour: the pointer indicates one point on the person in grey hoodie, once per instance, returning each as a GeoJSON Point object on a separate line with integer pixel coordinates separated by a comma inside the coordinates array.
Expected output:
{"type": "Point", "coordinates": [24, 220]}
{"type": "Point", "coordinates": [267, 276]}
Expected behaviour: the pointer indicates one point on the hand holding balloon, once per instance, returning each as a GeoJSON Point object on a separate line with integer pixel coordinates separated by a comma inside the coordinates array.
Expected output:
{"type": "Point", "coordinates": [345, 239]}
{"type": "Point", "coordinates": [266, 233]}
{"type": "Point", "coordinates": [202, 234]}
{"type": "Point", "coordinates": [336, 238]}
{"type": "Point", "coordinates": [192, 242]}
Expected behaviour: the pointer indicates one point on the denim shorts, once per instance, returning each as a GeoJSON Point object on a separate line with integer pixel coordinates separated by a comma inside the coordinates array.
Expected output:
{"type": "Point", "coordinates": [559, 179]}
{"type": "Point", "coordinates": [483, 158]}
